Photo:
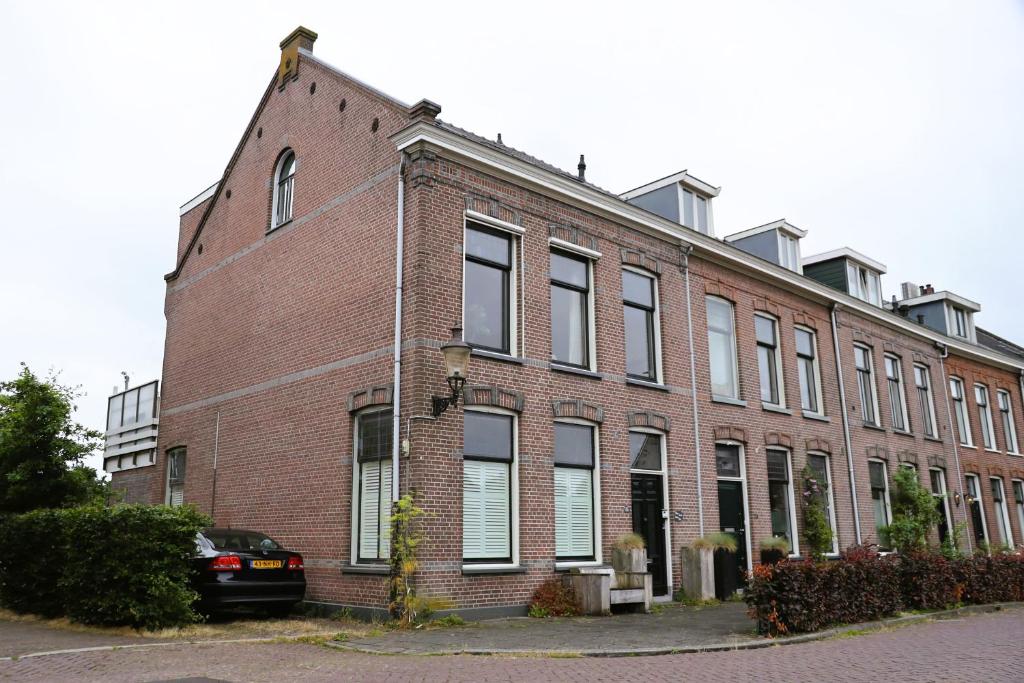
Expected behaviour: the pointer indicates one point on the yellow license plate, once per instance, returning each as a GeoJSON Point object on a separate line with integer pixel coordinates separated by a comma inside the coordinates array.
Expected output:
{"type": "Point", "coordinates": [266, 564]}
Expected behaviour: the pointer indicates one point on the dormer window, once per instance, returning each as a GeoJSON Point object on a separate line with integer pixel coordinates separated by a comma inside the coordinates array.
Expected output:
{"type": "Point", "coordinates": [789, 252]}
{"type": "Point", "coordinates": [680, 198]}
{"type": "Point", "coordinates": [864, 283]}
{"type": "Point", "coordinates": [695, 211]}
{"type": "Point", "coordinates": [284, 189]}
{"type": "Point", "coordinates": [778, 242]}
{"type": "Point", "coordinates": [960, 322]}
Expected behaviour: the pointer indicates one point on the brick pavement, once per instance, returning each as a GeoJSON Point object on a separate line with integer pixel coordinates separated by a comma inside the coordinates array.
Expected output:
{"type": "Point", "coordinates": [983, 647]}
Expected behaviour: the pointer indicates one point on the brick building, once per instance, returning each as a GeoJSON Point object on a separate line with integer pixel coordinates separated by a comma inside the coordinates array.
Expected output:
{"type": "Point", "coordinates": [630, 370]}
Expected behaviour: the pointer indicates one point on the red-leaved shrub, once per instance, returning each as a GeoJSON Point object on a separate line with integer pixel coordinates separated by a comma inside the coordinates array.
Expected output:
{"type": "Point", "coordinates": [553, 598]}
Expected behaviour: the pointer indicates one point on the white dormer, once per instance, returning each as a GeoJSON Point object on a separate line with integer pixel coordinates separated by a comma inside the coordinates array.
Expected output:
{"type": "Point", "coordinates": [681, 198]}
{"type": "Point", "coordinates": [778, 242]}
{"type": "Point", "coordinates": [848, 271]}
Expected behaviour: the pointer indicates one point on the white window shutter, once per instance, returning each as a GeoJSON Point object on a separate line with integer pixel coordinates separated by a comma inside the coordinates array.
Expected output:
{"type": "Point", "coordinates": [177, 494]}
{"type": "Point", "coordinates": [485, 510]}
{"type": "Point", "coordinates": [574, 512]}
{"type": "Point", "coordinates": [375, 510]}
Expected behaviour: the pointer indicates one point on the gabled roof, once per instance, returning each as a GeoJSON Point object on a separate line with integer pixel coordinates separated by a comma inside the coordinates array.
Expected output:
{"type": "Point", "coordinates": [847, 253]}
{"type": "Point", "coordinates": [782, 225]}
{"type": "Point", "coordinates": [198, 199]}
{"type": "Point", "coordinates": [997, 343]}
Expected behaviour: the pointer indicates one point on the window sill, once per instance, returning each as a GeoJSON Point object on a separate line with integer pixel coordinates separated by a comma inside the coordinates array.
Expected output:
{"type": "Point", "coordinates": [494, 355]}
{"type": "Point", "coordinates": [715, 398]}
{"type": "Point", "coordinates": [900, 432]}
{"type": "Point", "coordinates": [933, 439]}
{"type": "Point", "coordinates": [570, 370]}
{"type": "Point", "coordinates": [479, 569]}
{"type": "Point", "coordinates": [877, 428]}
{"type": "Point", "coordinates": [772, 408]}
{"type": "Point", "coordinates": [275, 228]}
{"type": "Point", "coordinates": [646, 384]}
{"type": "Point", "coordinates": [1015, 454]}
{"type": "Point", "coordinates": [573, 564]}
{"type": "Point", "coordinates": [993, 450]}
{"type": "Point", "coordinates": [816, 416]}
{"type": "Point", "coordinates": [965, 445]}
{"type": "Point", "coordinates": [372, 569]}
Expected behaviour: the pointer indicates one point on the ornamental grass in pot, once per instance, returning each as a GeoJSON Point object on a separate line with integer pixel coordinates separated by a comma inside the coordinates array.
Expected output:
{"type": "Point", "coordinates": [774, 550]}
{"type": "Point", "coordinates": [629, 554]}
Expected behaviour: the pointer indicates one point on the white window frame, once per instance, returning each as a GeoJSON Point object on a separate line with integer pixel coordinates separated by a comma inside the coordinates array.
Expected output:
{"type": "Point", "coordinates": [831, 499]}
{"type": "Point", "coordinates": [664, 492]}
{"type": "Point", "coordinates": [860, 280]}
{"type": "Point", "coordinates": [951, 322]}
{"type": "Point", "coordinates": [944, 494]}
{"type": "Point", "coordinates": [871, 381]}
{"type": "Point", "coordinates": [659, 371]}
{"type": "Point", "coordinates": [985, 417]}
{"type": "Point", "coordinates": [815, 369]}
{"type": "Point", "coordinates": [274, 223]}
{"type": "Point", "coordinates": [1018, 505]}
{"type": "Point", "coordinates": [733, 355]}
{"type": "Point", "coordinates": [780, 382]}
{"type": "Point", "coordinates": [794, 542]}
{"type": "Point", "coordinates": [596, 495]}
{"type": "Point", "coordinates": [356, 493]}
{"type": "Point", "coordinates": [513, 494]}
{"type": "Point", "coordinates": [1002, 515]}
{"type": "Point", "coordinates": [566, 248]}
{"type": "Point", "coordinates": [888, 502]}
{"type": "Point", "coordinates": [960, 414]}
{"type": "Point", "coordinates": [167, 474]}
{"type": "Point", "coordinates": [1005, 402]}
{"type": "Point", "coordinates": [515, 234]}
{"type": "Point", "coordinates": [901, 391]}
{"type": "Point", "coordinates": [928, 408]}
{"type": "Point", "coordinates": [746, 495]}
{"type": "Point", "coordinates": [707, 229]}
{"type": "Point", "coordinates": [789, 252]}
{"type": "Point", "coordinates": [970, 476]}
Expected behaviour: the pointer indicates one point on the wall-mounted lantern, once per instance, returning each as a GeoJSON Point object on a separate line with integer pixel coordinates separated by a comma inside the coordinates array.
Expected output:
{"type": "Point", "coordinates": [456, 364]}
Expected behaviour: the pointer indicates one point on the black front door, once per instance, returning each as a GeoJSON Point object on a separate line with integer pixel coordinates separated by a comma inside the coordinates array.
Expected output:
{"type": "Point", "coordinates": [648, 502]}
{"type": "Point", "coordinates": [733, 521]}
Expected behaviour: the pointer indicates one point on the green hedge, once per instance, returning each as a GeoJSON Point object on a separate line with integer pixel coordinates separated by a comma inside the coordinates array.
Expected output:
{"type": "Point", "coordinates": [796, 597]}
{"type": "Point", "coordinates": [123, 565]}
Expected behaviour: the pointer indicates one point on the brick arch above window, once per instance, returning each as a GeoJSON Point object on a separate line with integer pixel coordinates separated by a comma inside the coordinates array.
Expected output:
{"type": "Point", "coordinates": [497, 397]}
{"type": "Point", "coordinates": [778, 439]}
{"type": "Point", "coordinates": [639, 259]}
{"type": "Point", "coordinates": [494, 209]}
{"type": "Point", "coordinates": [995, 471]}
{"type": "Point", "coordinates": [819, 445]}
{"type": "Point", "coordinates": [971, 468]}
{"type": "Point", "coordinates": [766, 306]}
{"type": "Point", "coordinates": [714, 288]}
{"type": "Point", "coordinates": [879, 452]}
{"type": "Point", "coordinates": [805, 321]}
{"type": "Point", "coordinates": [730, 433]}
{"type": "Point", "coordinates": [1016, 474]}
{"type": "Point", "coordinates": [647, 418]}
{"type": "Point", "coordinates": [907, 456]}
{"type": "Point", "coordinates": [937, 461]}
{"type": "Point", "coordinates": [572, 235]}
{"type": "Point", "coordinates": [576, 407]}
{"type": "Point", "coordinates": [369, 397]}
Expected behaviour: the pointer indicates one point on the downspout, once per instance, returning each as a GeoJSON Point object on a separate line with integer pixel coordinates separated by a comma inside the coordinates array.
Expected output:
{"type": "Point", "coordinates": [213, 488]}
{"type": "Point", "coordinates": [686, 250]}
{"type": "Point", "coordinates": [943, 354]}
{"type": "Point", "coordinates": [846, 422]}
{"type": "Point", "coordinates": [396, 418]}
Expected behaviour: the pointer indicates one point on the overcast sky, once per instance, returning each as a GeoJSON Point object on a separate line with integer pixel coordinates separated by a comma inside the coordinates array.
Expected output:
{"type": "Point", "coordinates": [894, 128]}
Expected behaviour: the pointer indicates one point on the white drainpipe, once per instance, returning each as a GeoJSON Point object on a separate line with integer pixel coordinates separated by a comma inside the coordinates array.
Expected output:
{"type": "Point", "coordinates": [846, 423]}
{"type": "Point", "coordinates": [396, 420]}
{"type": "Point", "coordinates": [953, 437]}
{"type": "Point", "coordinates": [687, 249]}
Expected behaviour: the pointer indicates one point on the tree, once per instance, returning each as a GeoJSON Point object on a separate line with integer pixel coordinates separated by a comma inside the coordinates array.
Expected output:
{"type": "Point", "coordinates": [913, 512]}
{"type": "Point", "coordinates": [41, 449]}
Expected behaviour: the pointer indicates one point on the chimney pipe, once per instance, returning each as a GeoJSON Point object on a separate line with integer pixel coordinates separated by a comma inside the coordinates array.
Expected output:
{"type": "Point", "coordinates": [582, 168]}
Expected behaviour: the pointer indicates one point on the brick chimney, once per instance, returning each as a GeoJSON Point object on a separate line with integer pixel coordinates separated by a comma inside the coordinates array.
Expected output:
{"type": "Point", "coordinates": [289, 69]}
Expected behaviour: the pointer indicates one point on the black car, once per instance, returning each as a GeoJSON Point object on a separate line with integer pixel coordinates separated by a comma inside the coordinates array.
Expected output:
{"type": "Point", "coordinates": [241, 568]}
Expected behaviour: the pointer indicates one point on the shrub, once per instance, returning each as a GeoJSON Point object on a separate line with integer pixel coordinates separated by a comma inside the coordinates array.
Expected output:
{"type": "Point", "coordinates": [928, 581]}
{"type": "Point", "coordinates": [126, 565]}
{"type": "Point", "coordinates": [629, 542]}
{"type": "Point", "coordinates": [913, 512]}
{"type": "Point", "coordinates": [817, 528]}
{"type": "Point", "coordinates": [717, 540]}
{"type": "Point", "coordinates": [553, 598]}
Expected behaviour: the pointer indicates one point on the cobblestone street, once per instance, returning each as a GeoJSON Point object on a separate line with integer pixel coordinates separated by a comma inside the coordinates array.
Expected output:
{"type": "Point", "coordinates": [983, 648]}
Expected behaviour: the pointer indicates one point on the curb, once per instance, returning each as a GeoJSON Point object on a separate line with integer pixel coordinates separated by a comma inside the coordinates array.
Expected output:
{"type": "Point", "coordinates": [759, 643]}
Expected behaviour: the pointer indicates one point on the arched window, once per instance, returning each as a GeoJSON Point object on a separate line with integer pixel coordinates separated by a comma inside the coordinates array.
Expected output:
{"type": "Point", "coordinates": [284, 189]}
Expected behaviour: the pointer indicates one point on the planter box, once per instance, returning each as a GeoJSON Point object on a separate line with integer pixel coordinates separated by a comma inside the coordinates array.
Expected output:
{"type": "Point", "coordinates": [593, 587]}
{"type": "Point", "coordinates": [629, 561]}
{"type": "Point", "coordinates": [698, 580]}
{"type": "Point", "coordinates": [772, 556]}
{"type": "Point", "coordinates": [726, 580]}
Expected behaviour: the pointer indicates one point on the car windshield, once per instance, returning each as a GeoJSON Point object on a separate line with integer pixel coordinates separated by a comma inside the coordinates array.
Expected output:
{"type": "Point", "coordinates": [231, 539]}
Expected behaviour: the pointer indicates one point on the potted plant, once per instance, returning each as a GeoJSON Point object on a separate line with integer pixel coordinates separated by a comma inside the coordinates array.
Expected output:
{"type": "Point", "coordinates": [722, 545]}
{"type": "Point", "coordinates": [629, 554]}
{"type": "Point", "coordinates": [774, 550]}
{"type": "Point", "coordinates": [698, 570]}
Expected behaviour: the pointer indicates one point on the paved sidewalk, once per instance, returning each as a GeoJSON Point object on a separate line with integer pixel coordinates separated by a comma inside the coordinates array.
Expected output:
{"type": "Point", "coordinates": [674, 628]}
{"type": "Point", "coordinates": [19, 638]}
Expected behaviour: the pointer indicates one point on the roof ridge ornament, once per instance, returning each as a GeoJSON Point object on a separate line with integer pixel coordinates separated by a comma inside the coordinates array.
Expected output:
{"type": "Point", "coordinates": [301, 37]}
